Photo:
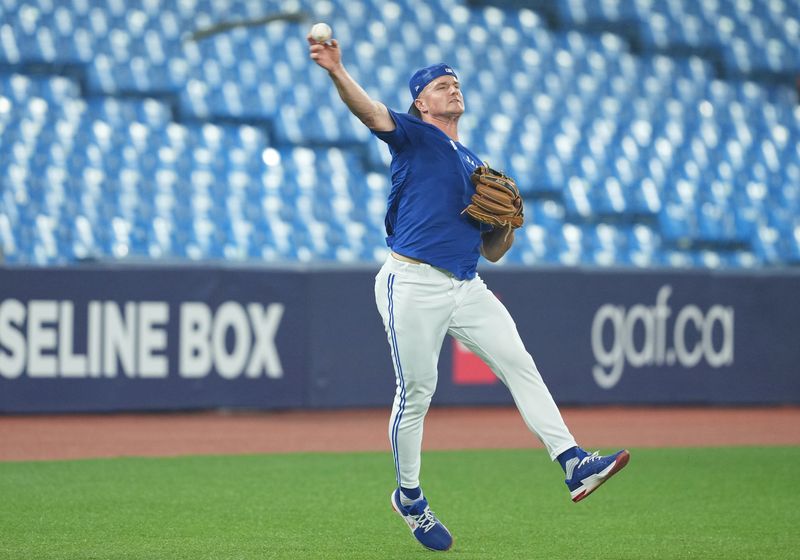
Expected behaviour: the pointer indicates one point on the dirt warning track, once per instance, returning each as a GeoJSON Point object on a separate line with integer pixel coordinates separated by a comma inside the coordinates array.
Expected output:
{"type": "Point", "coordinates": [114, 435]}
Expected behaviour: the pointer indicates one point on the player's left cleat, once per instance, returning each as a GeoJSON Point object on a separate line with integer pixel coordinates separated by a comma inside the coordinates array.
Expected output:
{"type": "Point", "coordinates": [586, 474]}
{"type": "Point", "coordinates": [426, 528]}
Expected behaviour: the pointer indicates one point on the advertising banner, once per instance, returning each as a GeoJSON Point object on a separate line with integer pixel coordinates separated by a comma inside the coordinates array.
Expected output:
{"type": "Point", "coordinates": [92, 339]}
{"type": "Point", "coordinates": [177, 338]}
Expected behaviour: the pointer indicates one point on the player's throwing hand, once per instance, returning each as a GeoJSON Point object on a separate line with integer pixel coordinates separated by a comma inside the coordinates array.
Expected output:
{"type": "Point", "coordinates": [327, 55]}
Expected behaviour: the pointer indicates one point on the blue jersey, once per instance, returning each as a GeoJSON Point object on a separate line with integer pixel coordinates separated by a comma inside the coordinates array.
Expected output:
{"type": "Point", "coordinates": [430, 188]}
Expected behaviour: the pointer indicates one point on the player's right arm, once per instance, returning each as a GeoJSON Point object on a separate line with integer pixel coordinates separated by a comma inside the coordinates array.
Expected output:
{"type": "Point", "coordinates": [373, 114]}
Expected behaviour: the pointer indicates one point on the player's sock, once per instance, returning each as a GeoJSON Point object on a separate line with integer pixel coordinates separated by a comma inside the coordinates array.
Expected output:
{"type": "Point", "coordinates": [410, 495]}
{"type": "Point", "coordinates": [571, 453]}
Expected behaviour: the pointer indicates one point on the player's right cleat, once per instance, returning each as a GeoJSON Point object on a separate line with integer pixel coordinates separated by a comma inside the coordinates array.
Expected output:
{"type": "Point", "coordinates": [426, 528]}
{"type": "Point", "coordinates": [586, 474]}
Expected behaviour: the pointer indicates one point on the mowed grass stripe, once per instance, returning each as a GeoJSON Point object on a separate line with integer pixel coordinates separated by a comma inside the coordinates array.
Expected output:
{"type": "Point", "coordinates": [671, 503]}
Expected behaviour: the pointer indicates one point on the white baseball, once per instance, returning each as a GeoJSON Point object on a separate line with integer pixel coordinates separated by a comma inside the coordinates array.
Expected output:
{"type": "Point", "coordinates": [321, 32]}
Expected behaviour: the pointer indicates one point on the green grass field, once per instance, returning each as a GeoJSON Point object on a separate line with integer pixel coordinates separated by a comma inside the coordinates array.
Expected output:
{"type": "Point", "coordinates": [676, 503]}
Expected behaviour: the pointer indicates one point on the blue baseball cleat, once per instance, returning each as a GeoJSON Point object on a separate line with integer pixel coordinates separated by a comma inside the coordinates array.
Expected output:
{"type": "Point", "coordinates": [586, 474]}
{"type": "Point", "coordinates": [428, 530]}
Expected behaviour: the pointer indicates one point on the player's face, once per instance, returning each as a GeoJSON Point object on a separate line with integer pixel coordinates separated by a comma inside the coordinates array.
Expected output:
{"type": "Point", "coordinates": [442, 97]}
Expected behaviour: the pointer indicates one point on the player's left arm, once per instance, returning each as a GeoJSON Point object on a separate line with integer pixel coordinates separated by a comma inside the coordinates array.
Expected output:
{"type": "Point", "coordinates": [496, 243]}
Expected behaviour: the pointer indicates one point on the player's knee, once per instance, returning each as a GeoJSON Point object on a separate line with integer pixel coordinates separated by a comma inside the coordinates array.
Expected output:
{"type": "Point", "coordinates": [418, 398]}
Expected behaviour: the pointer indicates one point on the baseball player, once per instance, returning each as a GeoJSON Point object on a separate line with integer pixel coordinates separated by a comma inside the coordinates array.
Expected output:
{"type": "Point", "coordinates": [445, 210]}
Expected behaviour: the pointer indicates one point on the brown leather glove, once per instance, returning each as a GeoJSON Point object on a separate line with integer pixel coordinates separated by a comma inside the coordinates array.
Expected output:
{"type": "Point", "coordinates": [496, 200]}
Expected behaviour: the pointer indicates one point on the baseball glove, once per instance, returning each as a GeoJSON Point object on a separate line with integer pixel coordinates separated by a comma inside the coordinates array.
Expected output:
{"type": "Point", "coordinates": [496, 200]}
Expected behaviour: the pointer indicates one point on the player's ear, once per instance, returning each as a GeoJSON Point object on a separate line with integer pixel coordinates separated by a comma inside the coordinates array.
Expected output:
{"type": "Point", "coordinates": [419, 103]}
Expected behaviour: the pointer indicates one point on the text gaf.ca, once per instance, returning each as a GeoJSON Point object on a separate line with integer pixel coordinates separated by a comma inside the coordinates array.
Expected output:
{"type": "Point", "coordinates": [686, 341]}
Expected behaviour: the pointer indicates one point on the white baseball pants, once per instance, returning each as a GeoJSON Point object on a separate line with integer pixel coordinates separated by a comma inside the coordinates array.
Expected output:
{"type": "Point", "coordinates": [419, 305]}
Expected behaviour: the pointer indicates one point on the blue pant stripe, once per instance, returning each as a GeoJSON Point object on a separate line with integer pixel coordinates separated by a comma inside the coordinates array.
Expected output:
{"type": "Point", "coordinates": [401, 381]}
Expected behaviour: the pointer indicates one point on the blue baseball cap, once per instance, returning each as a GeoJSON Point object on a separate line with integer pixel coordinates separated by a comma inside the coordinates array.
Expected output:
{"type": "Point", "coordinates": [424, 76]}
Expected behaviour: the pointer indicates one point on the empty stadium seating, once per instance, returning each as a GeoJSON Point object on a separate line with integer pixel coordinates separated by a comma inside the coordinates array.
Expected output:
{"type": "Point", "coordinates": [120, 138]}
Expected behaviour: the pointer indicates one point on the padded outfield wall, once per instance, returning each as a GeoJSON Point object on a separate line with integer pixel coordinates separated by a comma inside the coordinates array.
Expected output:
{"type": "Point", "coordinates": [113, 338]}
